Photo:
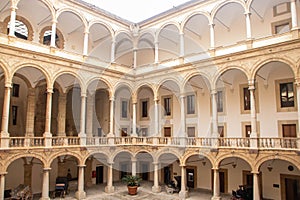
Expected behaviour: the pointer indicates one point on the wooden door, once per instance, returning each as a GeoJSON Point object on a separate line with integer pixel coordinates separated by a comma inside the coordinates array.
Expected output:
{"type": "Point", "coordinates": [289, 130]}
{"type": "Point", "coordinates": [167, 132]}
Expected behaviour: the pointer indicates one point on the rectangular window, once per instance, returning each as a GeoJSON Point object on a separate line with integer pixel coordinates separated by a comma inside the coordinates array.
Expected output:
{"type": "Point", "coordinates": [221, 131]}
{"type": "Point", "coordinates": [124, 106]}
{"type": "Point", "coordinates": [191, 131]}
{"type": "Point", "coordinates": [167, 106]}
{"type": "Point", "coordinates": [124, 132]}
{"type": "Point", "coordinates": [246, 98]}
{"type": "Point", "coordinates": [190, 104]}
{"type": "Point", "coordinates": [220, 101]}
{"type": "Point", "coordinates": [15, 90]}
{"type": "Point", "coordinates": [286, 94]}
{"type": "Point", "coordinates": [289, 130]}
{"type": "Point", "coordinates": [282, 26]}
{"type": "Point", "coordinates": [167, 131]}
{"type": "Point", "coordinates": [144, 108]}
{"type": "Point", "coordinates": [248, 130]}
{"type": "Point", "coordinates": [143, 132]}
{"type": "Point", "coordinates": [14, 114]}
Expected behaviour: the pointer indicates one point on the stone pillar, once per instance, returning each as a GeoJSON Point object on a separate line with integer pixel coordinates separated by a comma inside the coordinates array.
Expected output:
{"type": "Point", "coordinates": [156, 188]}
{"type": "Point", "coordinates": [297, 82]}
{"type": "Point", "coordinates": [294, 15]}
{"type": "Point", "coordinates": [47, 135]}
{"type": "Point", "coordinates": [156, 52]}
{"type": "Point", "coordinates": [111, 117]}
{"type": "Point", "coordinates": [182, 116]}
{"type": "Point", "coordinates": [134, 118]}
{"type": "Point", "coordinates": [86, 43]}
{"type": "Point", "coordinates": [5, 117]}
{"type": "Point", "coordinates": [253, 143]}
{"type": "Point", "coordinates": [109, 188]}
{"type": "Point", "coordinates": [181, 53]}
{"type": "Point", "coordinates": [2, 184]}
{"type": "Point", "coordinates": [256, 192]}
{"type": "Point", "coordinates": [112, 53]}
{"type": "Point", "coordinates": [12, 24]}
{"type": "Point", "coordinates": [216, 194]}
{"type": "Point", "coordinates": [134, 58]}
{"type": "Point", "coordinates": [212, 35]}
{"type": "Point", "coordinates": [45, 191]}
{"type": "Point", "coordinates": [30, 113]}
{"type": "Point", "coordinates": [133, 166]}
{"type": "Point", "coordinates": [156, 117]}
{"type": "Point", "coordinates": [88, 172]}
{"type": "Point", "coordinates": [61, 123]}
{"type": "Point", "coordinates": [27, 173]}
{"type": "Point", "coordinates": [80, 194]}
{"type": "Point", "coordinates": [215, 133]}
{"type": "Point", "coordinates": [53, 33]}
{"type": "Point", "coordinates": [248, 26]}
{"type": "Point", "coordinates": [89, 115]}
{"type": "Point", "coordinates": [183, 192]}
{"type": "Point", "coordinates": [82, 133]}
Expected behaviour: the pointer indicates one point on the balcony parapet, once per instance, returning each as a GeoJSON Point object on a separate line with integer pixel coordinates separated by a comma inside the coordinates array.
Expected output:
{"type": "Point", "coordinates": [189, 142]}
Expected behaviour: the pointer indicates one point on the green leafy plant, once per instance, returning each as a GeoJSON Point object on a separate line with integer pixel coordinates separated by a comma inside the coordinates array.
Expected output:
{"type": "Point", "coordinates": [131, 180]}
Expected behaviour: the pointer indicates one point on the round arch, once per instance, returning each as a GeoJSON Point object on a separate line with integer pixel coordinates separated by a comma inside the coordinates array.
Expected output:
{"type": "Point", "coordinates": [25, 21]}
{"type": "Point", "coordinates": [176, 24]}
{"type": "Point", "coordinates": [123, 84]}
{"type": "Point", "coordinates": [143, 151]}
{"type": "Point", "coordinates": [93, 152]}
{"type": "Point", "coordinates": [4, 66]}
{"type": "Point", "coordinates": [115, 154]}
{"type": "Point", "coordinates": [24, 155]}
{"type": "Point", "coordinates": [222, 4]}
{"type": "Point", "coordinates": [166, 151]}
{"type": "Point", "coordinates": [49, 5]}
{"type": "Point", "coordinates": [161, 82]}
{"type": "Point", "coordinates": [193, 74]}
{"type": "Point", "coordinates": [67, 153]}
{"type": "Point", "coordinates": [36, 66]}
{"type": "Point", "coordinates": [220, 72]}
{"type": "Point", "coordinates": [260, 64]}
{"type": "Point", "coordinates": [235, 155]}
{"type": "Point", "coordinates": [107, 26]}
{"type": "Point", "coordinates": [146, 32]}
{"type": "Point", "coordinates": [77, 13]}
{"type": "Point", "coordinates": [201, 13]}
{"type": "Point", "coordinates": [140, 85]}
{"type": "Point", "coordinates": [109, 85]}
{"type": "Point", "coordinates": [120, 32]}
{"type": "Point", "coordinates": [200, 153]}
{"type": "Point", "coordinates": [292, 159]}
{"type": "Point", "coordinates": [76, 75]}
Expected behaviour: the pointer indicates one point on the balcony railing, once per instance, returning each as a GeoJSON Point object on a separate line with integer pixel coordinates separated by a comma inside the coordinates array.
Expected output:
{"type": "Point", "coordinates": [242, 143]}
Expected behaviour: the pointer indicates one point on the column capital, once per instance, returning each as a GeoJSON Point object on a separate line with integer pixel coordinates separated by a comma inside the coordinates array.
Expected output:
{"type": "Point", "coordinates": [297, 82]}
{"type": "Point", "coordinates": [83, 94]}
{"type": "Point", "coordinates": [86, 31]}
{"type": "Point", "coordinates": [112, 98]}
{"type": "Point", "coordinates": [182, 165]}
{"type": "Point", "coordinates": [3, 173]}
{"type": "Point", "coordinates": [182, 95]}
{"type": "Point", "coordinates": [49, 90]}
{"type": "Point", "coordinates": [213, 92]}
{"type": "Point", "coordinates": [8, 84]}
{"type": "Point", "coordinates": [13, 8]}
{"type": "Point", "coordinates": [247, 13]}
{"type": "Point", "coordinates": [255, 172]}
{"type": "Point", "coordinates": [46, 169]}
{"type": "Point", "coordinates": [54, 21]}
{"type": "Point", "coordinates": [155, 163]}
{"type": "Point", "coordinates": [211, 25]}
{"type": "Point", "coordinates": [133, 159]}
{"type": "Point", "coordinates": [81, 166]}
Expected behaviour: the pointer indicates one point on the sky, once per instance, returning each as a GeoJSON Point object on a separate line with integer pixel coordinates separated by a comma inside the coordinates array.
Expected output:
{"type": "Point", "coordinates": [136, 10]}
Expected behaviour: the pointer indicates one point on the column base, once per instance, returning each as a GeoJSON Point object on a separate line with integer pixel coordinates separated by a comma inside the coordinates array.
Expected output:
{"type": "Point", "coordinates": [80, 195]}
{"type": "Point", "coordinates": [109, 189]}
{"type": "Point", "coordinates": [183, 194]}
{"type": "Point", "coordinates": [216, 198]}
{"type": "Point", "coordinates": [156, 189]}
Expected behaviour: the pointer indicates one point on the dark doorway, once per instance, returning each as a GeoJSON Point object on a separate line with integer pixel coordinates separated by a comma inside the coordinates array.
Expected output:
{"type": "Point", "coordinates": [100, 132]}
{"type": "Point", "coordinates": [167, 131]}
{"type": "Point", "coordinates": [99, 174]}
{"type": "Point", "coordinates": [167, 175]}
{"type": "Point", "coordinates": [223, 180]}
{"type": "Point", "coordinates": [123, 170]}
{"type": "Point", "coordinates": [145, 170]}
{"type": "Point", "coordinates": [190, 174]}
{"type": "Point", "coordinates": [292, 187]}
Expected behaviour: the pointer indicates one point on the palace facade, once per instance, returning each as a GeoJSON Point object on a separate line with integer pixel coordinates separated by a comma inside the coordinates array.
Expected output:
{"type": "Point", "coordinates": [208, 91]}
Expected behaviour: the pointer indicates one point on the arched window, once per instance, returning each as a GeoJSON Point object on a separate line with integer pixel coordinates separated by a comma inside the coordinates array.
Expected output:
{"type": "Point", "coordinates": [23, 28]}
{"type": "Point", "coordinates": [45, 37]}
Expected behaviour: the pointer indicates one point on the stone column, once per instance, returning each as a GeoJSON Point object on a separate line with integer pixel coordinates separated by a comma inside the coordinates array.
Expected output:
{"type": "Point", "coordinates": [156, 188]}
{"type": "Point", "coordinates": [135, 57]}
{"type": "Point", "coordinates": [111, 117]}
{"type": "Point", "coordinates": [212, 35]}
{"type": "Point", "coordinates": [181, 53]}
{"type": "Point", "coordinates": [183, 192]}
{"type": "Point", "coordinates": [82, 133]}
{"type": "Point", "coordinates": [12, 24]}
{"type": "Point", "coordinates": [27, 173]}
{"type": "Point", "coordinates": [156, 52]}
{"type": "Point", "coordinates": [248, 26]}
{"type": "Point", "coordinates": [5, 117]}
{"type": "Point", "coordinates": [294, 15]}
{"type": "Point", "coordinates": [80, 194]}
{"type": "Point", "coordinates": [216, 194]}
{"type": "Point", "coordinates": [62, 104]}
{"type": "Point", "coordinates": [156, 117]}
{"type": "Point", "coordinates": [53, 33]}
{"type": "Point", "coordinates": [133, 166]}
{"type": "Point", "coordinates": [256, 192]}
{"type": "Point", "coordinates": [109, 188]}
{"type": "Point", "coordinates": [297, 82]}
{"type": "Point", "coordinates": [86, 43]}
{"type": "Point", "coordinates": [2, 184]}
{"type": "Point", "coordinates": [134, 118]}
{"type": "Point", "coordinates": [88, 172]}
{"type": "Point", "coordinates": [182, 116]}
{"type": "Point", "coordinates": [215, 133]}
{"type": "Point", "coordinates": [89, 115]}
{"type": "Point", "coordinates": [112, 53]}
{"type": "Point", "coordinates": [253, 135]}
{"type": "Point", "coordinates": [30, 113]}
{"type": "Point", "coordinates": [45, 191]}
{"type": "Point", "coordinates": [47, 135]}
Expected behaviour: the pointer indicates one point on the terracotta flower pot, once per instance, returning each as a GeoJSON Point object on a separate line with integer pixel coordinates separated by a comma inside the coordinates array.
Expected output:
{"type": "Point", "coordinates": [132, 190]}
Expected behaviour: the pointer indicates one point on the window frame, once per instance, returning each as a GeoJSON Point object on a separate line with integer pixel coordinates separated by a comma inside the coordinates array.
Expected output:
{"type": "Point", "coordinates": [223, 91]}
{"type": "Point", "coordinates": [286, 122]}
{"type": "Point", "coordinates": [171, 106]}
{"type": "Point", "coordinates": [141, 108]}
{"type": "Point", "coordinates": [284, 22]}
{"type": "Point", "coordinates": [14, 118]}
{"type": "Point", "coordinates": [15, 90]}
{"type": "Point", "coordinates": [191, 126]}
{"type": "Point", "coordinates": [278, 96]}
{"type": "Point", "coordinates": [241, 96]}
{"type": "Point", "coordinates": [127, 109]}
{"type": "Point", "coordinates": [187, 106]}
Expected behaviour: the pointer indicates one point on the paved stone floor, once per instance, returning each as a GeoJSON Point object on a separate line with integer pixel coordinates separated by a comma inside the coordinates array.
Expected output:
{"type": "Point", "coordinates": [144, 193]}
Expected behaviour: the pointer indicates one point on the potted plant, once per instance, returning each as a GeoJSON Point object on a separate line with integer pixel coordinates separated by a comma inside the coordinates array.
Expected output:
{"type": "Point", "coordinates": [132, 183]}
